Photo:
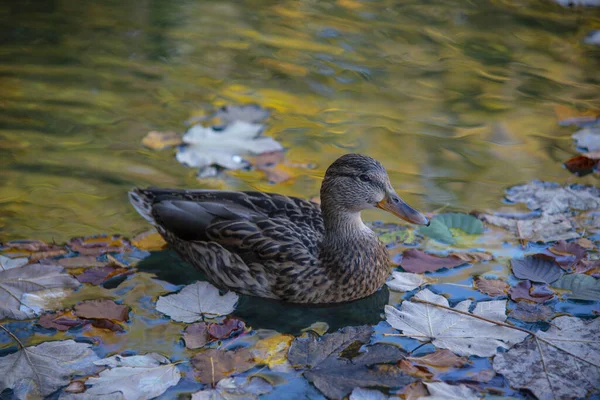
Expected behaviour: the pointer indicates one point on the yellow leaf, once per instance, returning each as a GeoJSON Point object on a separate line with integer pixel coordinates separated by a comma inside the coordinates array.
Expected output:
{"type": "Point", "coordinates": [273, 350]}
{"type": "Point", "coordinates": [150, 241]}
{"type": "Point", "coordinates": [160, 140]}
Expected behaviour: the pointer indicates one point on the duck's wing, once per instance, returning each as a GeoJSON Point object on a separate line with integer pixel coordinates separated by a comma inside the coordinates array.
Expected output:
{"type": "Point", "coordinates": [255, 243]}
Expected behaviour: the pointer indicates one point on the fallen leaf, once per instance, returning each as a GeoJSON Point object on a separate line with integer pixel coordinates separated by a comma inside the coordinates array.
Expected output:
{"type": "Point", "coordinates": [102, 309]}
{"type": "Point", "coordinates": [137, 377]}
{"type": "Point", "coordinates": [528, 312]}
{"type": "Point", "coordinates": [75, 387]}
{"type": "Point", "coordinates": [438, 230]}
{"type": "Point", "coordinates": [80, 262]}
{"type": "Point", "coordinates": [62, 320]}
{"type": "Point", "coordinates": [588, 139]}
{"type": "Point", "coordinates": [536, 268]}
{"type": "Point", "coordinates": [546, 228]}
{"type": "Point", "coordinates": [17, 282]}
{"type": "Point", "coordinates": [215, 364]}
{"type": "Point", "coordinates": [585, 243]}
{"type": "Point", "coordinates": [526, 291]}
{"type": "Point", "coordinates": [99, 275]}
{"type": "Point", "coordinates": [41, 370]}
{"type": "Point", "coordinates": [252, 113]}
{"type": "Point", "coordinates": [107, 324]}
{"type": "Point", "coordinates": [407, 281]}
{"type": "Point", "coordinates": [414, 260]}
{"type": "Point", "coordinates": [415, 391]}
{"type": "Point", "coordinates": [465, 222]}
{"type": "Point", "coordinates": [567, 115]}
{"type": "Point", "coordinates": [97, 245]}
{"type": "Point", "coordinates": [581, 165]}
{"type": "Point", "coordinates": [444, 391]}
{"type": "Point", "coordinates": [196, 335]}
{"type": "Point", "coordinates": [224, 146]}
{"type": "Point", "coordinates": [413, 370]}
{"type": "Point", "coordinates": [272, 351]}
{"type": "Point", "coordinates": [239, 388]}
{"type": "Point", "coordinates": [31, 246]}
{"type": "Point", "coordinates": [484, 375]}
{"type": "Point", "coordinates": [226, 328]}
{"type": "Point", "coordinates": [195, 301]}
{"type": "Point", "coordinates": [10, 263]}
{"type": "Point", "coordinates": [149, 241]}
{"type": "Point", "coordinates": [581, 287]}
{"type": "Point", "coordinates": [161, 140]}
{"type": "Point", "coordinates": [491, 287]}
{"type": "Point", "coordinates": [441, 358]}
{"type": "Point", "coordinates": [473, 256]}
{"type": "Point", "coordinates": [459, 333]}
{"type": "Point", "coordinates": [588, 267]}
{"type": "Point", "coordinates": [552, 198]}
{"type": "Point", "coordinates": [570, 371]}
{"type": "Point", "coordinates": [367, 394]}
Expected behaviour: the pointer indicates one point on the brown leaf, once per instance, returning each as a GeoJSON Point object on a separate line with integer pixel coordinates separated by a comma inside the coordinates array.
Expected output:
{"type": "Point", "coordinates": [485, 375]}
{"type": "Point", "coordinates": [39, 255]}
{"type": "Point", "coordinates": [61, 320]}
{"type": "Point", "coordinates": [491, 287]}
{"type": "Point", "coordinates": [415, 390]}
{"type": "Point", "coordinates": [563, 248]}
{"type": "Point", "coordinates": [269, 159]}
{"type": "Point", "coordinates": [161, 140]}
{"type": "Point", "coordinates": [413, 370]}
{"type": "Point", "coordinates": [28, 245]}
{"type": "Point", "coordinates": [585, 243]}
{"type": "Point", "coordinates": [99, 275]}
{"type": "Point", "coordinates": [524, 290]}
{"type": "Point", "coordinates": [417, 261]}
{"type": "Point", "coordinates": [472, 257]}
{"type": "Point", "coordinates": [440, 359]}
{"type": "Point", "coordinates": [531, 312]}
{"type": "Point", "coordinates": [97, 245]}
{"type": "Point", "coordinates": [196, 335]}
{"type": "Point", "coordinates": [102, 309]}
{"type": "Point", "coordinates": [214, 364]}
{"type": "Point", "coordinates": [226, 329]}
{"type": "Point", "coordinates": [149, 241]}
{"type": "Point", "coordinates": [75, 387]}
{"type": "Point", "coordinates": [581, 165]}
{"type": "Point", "coordinates": [80, 262]}
{"type": "Point", "coordinates": [588, 267]}
{"type": "Point", "coordinates": [107, 324]}
{"type": "Point", "coordinates": [595, 155]}
{"type": "Point", "coordinates": [570, 116]}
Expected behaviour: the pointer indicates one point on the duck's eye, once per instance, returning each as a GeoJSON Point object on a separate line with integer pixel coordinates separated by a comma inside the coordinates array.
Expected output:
{"type": "Point", "coordinates": [365, 178]}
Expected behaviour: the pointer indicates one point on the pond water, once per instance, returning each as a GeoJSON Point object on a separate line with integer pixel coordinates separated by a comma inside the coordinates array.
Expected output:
{"type": "Point", "coordinates": [456, 98]}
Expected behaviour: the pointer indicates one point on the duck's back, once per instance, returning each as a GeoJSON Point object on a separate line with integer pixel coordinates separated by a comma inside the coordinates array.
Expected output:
{"type": "Point", "coordinates": [254, 243]}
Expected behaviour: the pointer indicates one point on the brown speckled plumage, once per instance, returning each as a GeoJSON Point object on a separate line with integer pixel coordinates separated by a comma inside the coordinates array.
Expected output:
{"type": "Point", "coordinates": [280, 247]}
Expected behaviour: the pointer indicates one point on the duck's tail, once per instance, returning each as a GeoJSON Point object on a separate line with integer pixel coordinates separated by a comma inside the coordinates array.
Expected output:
{"type": "Point", "coordinates": [142, 202]}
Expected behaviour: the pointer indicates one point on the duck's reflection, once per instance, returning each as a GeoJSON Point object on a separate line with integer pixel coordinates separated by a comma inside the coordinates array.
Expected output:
{"type": "Point", "coordinates": [262, 313]}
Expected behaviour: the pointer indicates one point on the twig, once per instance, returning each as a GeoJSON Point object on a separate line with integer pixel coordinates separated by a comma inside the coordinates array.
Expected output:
{"type": "Point", "coordinates": [12, 335]}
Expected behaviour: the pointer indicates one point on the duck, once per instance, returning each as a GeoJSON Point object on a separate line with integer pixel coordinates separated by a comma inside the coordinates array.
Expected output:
{"type": "Point", "coordinates": [281, 247]}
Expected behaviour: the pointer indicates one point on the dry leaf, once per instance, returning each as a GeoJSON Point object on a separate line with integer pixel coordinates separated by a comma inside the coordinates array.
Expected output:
{"type": "Point", "coordinates": [473, 256]}
{"type": "Point", "coordinates": [413, 370]}
{"type": "Point", "coordinates": [491, 287]}
{"type": "Point", "coordinates": [585, 243]}
{"type": "Point", "coordinates": [214, 364]}
{"type": "Point", "coordinates": [196, 335]}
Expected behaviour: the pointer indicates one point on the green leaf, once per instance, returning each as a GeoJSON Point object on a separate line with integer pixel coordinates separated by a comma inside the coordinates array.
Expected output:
{"type": "Point", "coordinates": [582, 287]}
{"type": "Point", "coordinates": [465, 222]}
{"type": "Point", "coordinates": [437, 230]}
{"type": "Point", "coordinates": [398, 236]}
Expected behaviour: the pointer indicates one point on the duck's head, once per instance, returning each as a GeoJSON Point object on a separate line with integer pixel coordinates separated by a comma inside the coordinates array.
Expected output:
{"type": "Point", "coordinates": [355, 182]}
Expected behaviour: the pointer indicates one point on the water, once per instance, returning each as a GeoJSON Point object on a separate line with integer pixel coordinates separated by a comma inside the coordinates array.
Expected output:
{"type": "Point", "coordinates": [455, 98]}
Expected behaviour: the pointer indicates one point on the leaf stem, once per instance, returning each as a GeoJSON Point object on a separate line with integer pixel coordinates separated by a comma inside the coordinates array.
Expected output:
{"type": "Point", "coordinates": [12, 335]}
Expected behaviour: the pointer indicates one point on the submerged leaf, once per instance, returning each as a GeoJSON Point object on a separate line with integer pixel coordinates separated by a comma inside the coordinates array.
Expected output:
{"type": "Point", "coordinates": [214, 364]}
{"type": "Point", "coordinates": [582, 287]}
{"type": "Point", "coordinates": [137, 377]}
{"type": "Point", "coordinates": [570, 371]}
{"type": "Point", "coordinates": [531, 312]}
{"type": "Point", "coordinates": [226, 328]}
{"type": "Point", "coordinates": [536, 268]}
{"type": "Point", "coordinates": [99, 275]}
{"type": "Point", "coordinates": [462, 334]}
{"type": "Point", "coordinates": [406, 281]}
{"type": "Point", "coordinates": [414, 260]}
{"type": "Point", "coordinates": [80, 262]}
{"type": "Point", "coordinates": [195, 301]}
{"type": "Point", "coordinates": [43, 369]}
{"type": "Point", "coordinates": [491, 287]}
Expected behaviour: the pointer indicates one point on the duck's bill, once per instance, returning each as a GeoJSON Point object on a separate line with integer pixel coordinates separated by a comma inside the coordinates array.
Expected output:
{"type": "Point", "coordinates": [395, 205]}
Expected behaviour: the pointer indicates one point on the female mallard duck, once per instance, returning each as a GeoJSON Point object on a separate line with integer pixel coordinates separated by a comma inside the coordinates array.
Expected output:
{"type": "Point", "coordinates": [280, 247]}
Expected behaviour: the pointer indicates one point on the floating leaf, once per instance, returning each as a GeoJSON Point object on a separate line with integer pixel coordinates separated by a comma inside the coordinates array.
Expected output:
{"type": "Point", "coordinates": [195, 301]}
{"type": "Point", "coordinates": [272, 351]}
{"type": "Point", "coordinates": [546, 228]}
{"type": "Point", "coordinates": [414, 370]}
{"type": "Point", "coordinates": [99, 275]}
{"type": "Point", "coordinates": [406, 281]}
{"type": "Point", "coordinates": [491, 287]}
{"type": "Point", "coordinates": [582, 287]}
{"type": "Point", "coordinates": [444, 391]}
{"type": "Point", "coordinates": [367, 394]}
{"type": "Point", "coordinates": [581, 165]}
{"type": "Point", "coordinates": [588, 139]}
{"type": "Point", "coordinates": [415, 391]}
{"type": "Point", "coordinates": [525, 291]}
{"type": "Point", "coordinates": [441, 358]}
{"type": "Point", "coordinates": [570, 371]}
{"type": "Point", "coordinates": [43, 300]}
{"type": "Point", "coordinates": [414, 260]}
{"type": "Point", "coordinates": [552, 198]}
{"type": "Point", "coordinates": [397, 236]}
{"type": "Point", "coordinates": [10, 263]}
{"type": "Point", "coordinates": [567, 115]}
{"type": "Point", "coordinates": [16, 282]}
{"type": "Point", "coordinates": [226, 328]}
{"type": "Point", "coordinates": [585, 243]}
{"type": "Point", "coordinates": [251, 113]}
{"type": "Point", "coordinates": [465, 222]}
{"type": "Point", "coordinates": [531, 312]}
{"type": "Point", "coordinates": [472, 256]}
{"type": "Point", "coordinates": [437, 230]}
{"type": "Point", "coordinates": [196, 335]}
{"type": "Point", "coordinates": [80, 262]}
{"type": "Point", "coordinates": [588, 267]}
{"type": "Point", "coordinates": [235, 389]}
{"type": "Point", "coordinates": [102, 309]}
{"type": "Point", "coordinates": [96, 245]}
{"type": "Point", "coordinates": [41, 370]}
{"type": "Point", "coordinates": [215, 364]}
{"type": "Point", "coordinates": [462, 334]}
{"type": "Point", "coordinates": [62, 320]}
{"type": "Point", "coordinates": [149, 241]}
{"type": "Point", "coordinates": [161, 140]}
{"type": "Point", "coordinates": [536, 268]}
{"type": "Point", "coordinates": [137, 377]}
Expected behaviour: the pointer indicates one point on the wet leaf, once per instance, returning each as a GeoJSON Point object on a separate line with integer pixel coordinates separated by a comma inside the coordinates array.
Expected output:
{"type": "Point", "coordinates": [196, 335]}
{"type": "Point", "coordinates": [491, 287]}
{"type": "Point", "coordinates": [472, 256]}
{"type": "Point", "coordinates": [567, 115]}
{"type": "Point", "coordinates": [551, 198]}
{"type": "Point", "coordinates": [75, 387]}
{"type": "Point", "coordinates": [465, 222]}
{"type": "Point", "coordinates": [568, 253]}
{"type": "Point", "coordinates": [102, 309]}
{"type": "Point", "coordinates": [536, 268]}
{"type": "Point", "coordinates": [459, 333]}
{"type": "Point", "coordinates": [10, 263]}
{"type": "Point", "coordinates": [107, 324]}
{"type": "Point", "coordinates": [96, 245]}
{"type": "Point", "coordinates": [582, 287]}
{"type": "Point", "coordinates": [99, 275]}
{"type": "Point", "coordinates": [367, 394]}
{"type": "Point", "coordinates": [272, 351]}
{"type": "Point", "coordinates": [531, 312]}
{"type": "Point", "coordinates": [137, 377]}
{"type": "Point", "coordinates": [40, 255]}
{"type": "Point", "coordinates": [581, 165]}
{"type": "Point", "coordinates": [585, 243]}
{"type": "Point", "coordinates": [149, 241]}
{"type": "Point", "coordinates": [570, 371]}
{"type": "Point", "coordinates": [588, 139]}
{"type": "Point", "coordinates": [438, 230]}
{"type": "Point", "coordinates": [235, 389]}
{"type": "Point", "coordinates": [397, 236]}
{"type": "Point", "coordinates": [214, 364]}
{"type": "Point", "coordinates": [588, 267]}
{"type": "Point", "coordinates": [444, 391]}
{"type": "Point", "coordinates": [224, 146]}
{"type": "Point", "coordinates": [226, 328]}
{"type": "Point", "coordinates": [80, 262]}
{"type": "Point", "coordinates": [196, 301]}
{"type": "Point", "coordinates": [251, 113]}
{"type": "Point", "coordinates": [41, 370]}
{"type": "Point", "coordinates": [406, 281]}
{"type": "Point", "coordinates": [413, 370]}
{"type": "Point", "coordinates": [441, 358]}
{"type": "Point", "coordinates": [62, 320]}
{"type": "Point", "coordinates": [525, 291]}
{"type": "Point", "coordinates": [31, 246]}
{"type": "Point", "coordinates": [414, 260]}
{"type": "Point", "coordinates": [546, 228]}
{"type": "Point", "coordinates": [17, 282]}
{"type": "Point", "coordinates": [161, 140]}
{"type": "Point", "coordinates": [484, 375]}
{"type": "Point", "coordinates": [415, 391]}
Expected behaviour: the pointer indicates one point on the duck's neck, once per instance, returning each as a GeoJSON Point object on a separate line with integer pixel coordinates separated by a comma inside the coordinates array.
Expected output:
{"type": "Point", "coordinates": [344, 225]}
